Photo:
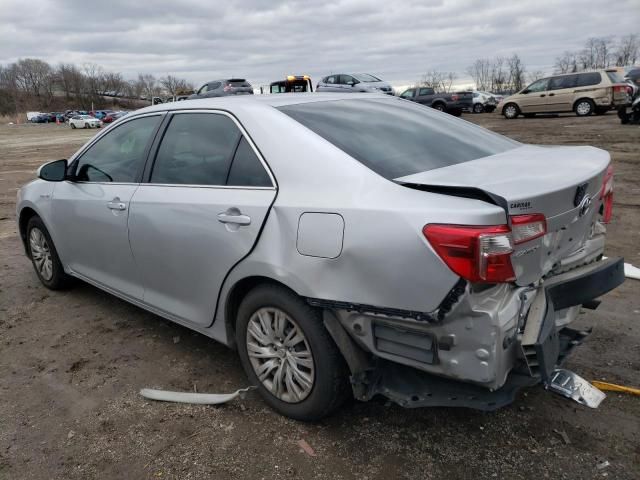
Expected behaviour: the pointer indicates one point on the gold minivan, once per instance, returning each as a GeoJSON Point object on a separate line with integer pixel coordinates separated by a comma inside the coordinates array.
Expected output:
{"type": "Point", "coordinates": [584, 93]}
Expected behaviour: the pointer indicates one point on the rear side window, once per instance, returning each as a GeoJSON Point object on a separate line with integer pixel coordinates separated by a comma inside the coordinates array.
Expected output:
{"type": "Point", "coordinates": [196, 149]}
{"type": "Point", "coordinates": [215, 85]}
{"type": "Point", "coordinates": [425, 91]}
{"type": "Point", "coordinates": [246, 169]}
{"type": "Point", "coordinates": [615, 77]}
{"type": "Point", "coordinates": [566, 81]}
{"type": "Point", "coordinates": [588, 79]}
{"type": "Point", "coordinates": [395, 138]}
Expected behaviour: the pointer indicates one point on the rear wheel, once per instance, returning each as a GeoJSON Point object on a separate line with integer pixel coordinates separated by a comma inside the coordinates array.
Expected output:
{"type": "Point", "coordinates": [289, 355]}
{"type": "Point", "coordinates": [584, 107]}
{"type": "Point", "coordinates": [44, 256]}
{"type": "Point", "coordinates": [440, 106]}
{"type": "Point", "coordinates": [511, 111]}
{"type": "Point", "coordinates": [73, 125]}
{"type": "Point", "coordinates": [478, 108]}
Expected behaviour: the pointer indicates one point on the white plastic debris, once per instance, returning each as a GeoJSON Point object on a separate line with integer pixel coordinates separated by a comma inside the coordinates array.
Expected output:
{"type": "Point", "coordinates": [190, 397]}
{"type": "Point", "coordinates": [631, 272]}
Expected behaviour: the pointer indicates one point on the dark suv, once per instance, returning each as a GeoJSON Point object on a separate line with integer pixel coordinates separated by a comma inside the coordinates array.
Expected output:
{"type": "Point", "coordinates": [221, 88]}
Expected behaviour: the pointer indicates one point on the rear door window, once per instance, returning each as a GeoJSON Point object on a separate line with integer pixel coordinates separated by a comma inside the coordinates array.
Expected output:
{"type": "Point", "coordinates": [589, 79]}
{"type": "Point", "coordinates": [246, 169]}
{"type": "Point", "coordinates": [395, 138]}
{"type": "Point", "coordinates": [425, 91]}
{"type": "Point", "coordinates": [197, 149]}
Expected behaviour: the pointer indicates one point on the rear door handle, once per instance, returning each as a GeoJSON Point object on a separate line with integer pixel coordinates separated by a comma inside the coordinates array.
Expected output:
{"type": "Point", "coordinates": [543, 95]}
{"type": "Point", "coordinates": [551, 94]}
{"type": "Point", "coordinates": [116, 204]}
{"type": "Point", "coordinates": [236, 218]}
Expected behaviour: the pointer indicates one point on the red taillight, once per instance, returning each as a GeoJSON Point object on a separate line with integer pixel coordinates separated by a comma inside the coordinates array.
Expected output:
{"type": "Point", "coordinates": [478, 254]}
{"type": "Point", "coordinates": [528, 227]}
{"type": "Point", "coordinates": [606, 195]}
{"type": "Point", "coordinates": [620, 88]}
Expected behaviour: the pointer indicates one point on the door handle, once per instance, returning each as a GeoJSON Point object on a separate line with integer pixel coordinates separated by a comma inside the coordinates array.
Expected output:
{"type": "Point", "coordinates": [551, 94]}
{"type": "Point", "coordinates": [543, 95]}
{"type": "Point", "coordinates": [116, 204]}
{"type": "Point", "coordinates": [236, 218]}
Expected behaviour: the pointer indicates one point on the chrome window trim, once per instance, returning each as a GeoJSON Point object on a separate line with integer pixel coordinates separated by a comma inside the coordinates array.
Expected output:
{"type": "Point", "coordinates": [244, 133]}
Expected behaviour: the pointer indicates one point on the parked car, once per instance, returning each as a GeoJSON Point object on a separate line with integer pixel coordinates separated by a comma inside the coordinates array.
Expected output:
{"type": "Point", "coordinates": [222, 88]}
{"type": "Point", "coordinates": [40, 118]}
{"type": "Point", "coordinates": [483, 102]}
{"type": "Point", "coordinates": [100, 114]}
{"type": "Point", "coordinates": [293, 83]}
{"type": "Point", "coordinates": [113, 116]}
{"type": "Point", "coordinates": [367, 246]}
{"type": "Point", "coordinates": [353, 82]}
{"type": "Point", "coordinates": [584, 93]}
{"type": "Point", "coordinates": [453, 103]}
{"type": "Point", "coordinates": [84, 121]}
{"type": "Point", "coordinates": [31, 115]}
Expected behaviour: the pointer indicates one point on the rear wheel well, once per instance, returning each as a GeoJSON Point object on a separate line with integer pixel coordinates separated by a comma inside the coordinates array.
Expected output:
{"type": "Point", "coordinates": [237, 294]}
{"type": "Point", "coordinates": [25, 215]}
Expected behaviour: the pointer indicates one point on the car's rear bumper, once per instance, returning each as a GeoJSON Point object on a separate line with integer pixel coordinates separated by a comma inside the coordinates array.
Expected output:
{"type": "Point", "coordinates": [486, 349]}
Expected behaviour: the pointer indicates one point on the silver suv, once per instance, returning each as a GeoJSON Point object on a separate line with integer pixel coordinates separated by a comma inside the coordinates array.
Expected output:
{"type": "Point", "coordinates": [353, 82]}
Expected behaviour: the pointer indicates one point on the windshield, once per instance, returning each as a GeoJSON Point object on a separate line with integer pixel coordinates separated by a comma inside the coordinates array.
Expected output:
{"type": "Point", "coordinates": [395, 138]}
{"type": "Point", "coordinates": [365, 77]}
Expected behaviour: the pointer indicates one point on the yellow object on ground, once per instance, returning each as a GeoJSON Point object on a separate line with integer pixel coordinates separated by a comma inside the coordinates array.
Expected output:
{"type": "Point", "coordinates": [612, 387]}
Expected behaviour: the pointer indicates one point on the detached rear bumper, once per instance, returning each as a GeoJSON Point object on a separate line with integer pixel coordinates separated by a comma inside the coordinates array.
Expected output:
{"type": "Point", "coordinates": [399, 361]}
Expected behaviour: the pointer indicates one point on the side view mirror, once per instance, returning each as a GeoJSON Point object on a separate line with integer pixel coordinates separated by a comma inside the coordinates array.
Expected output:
{"type": "Point", "coordinates": [55, 171]}
{"type": "Point", "coordinates": [351, 83]}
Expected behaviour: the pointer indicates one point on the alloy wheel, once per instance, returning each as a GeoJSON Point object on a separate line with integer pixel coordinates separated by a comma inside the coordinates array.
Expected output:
{"type": "Point", "coordinates": [280, 354]}
{"type": "Point", "coordinates": [583, 108]}
{"type": "Point", "coordinates": [510, 111]}
{"type": "Point", "coordinates": [41, 253]}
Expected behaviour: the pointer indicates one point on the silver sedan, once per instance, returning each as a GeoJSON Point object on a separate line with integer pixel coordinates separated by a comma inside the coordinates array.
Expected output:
{"type": "Point", "coordinates": [345, 246]}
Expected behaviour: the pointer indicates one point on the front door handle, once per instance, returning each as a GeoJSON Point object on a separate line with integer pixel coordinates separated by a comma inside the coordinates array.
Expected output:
{"type": "Point", "coordinates": [234, 217]}
{"type": "Point", "coordinates": [116, 204]}
{"type": "Point", "coordinates": [543, 95]}
{"type": "Point", "coordinates": [551, 94]}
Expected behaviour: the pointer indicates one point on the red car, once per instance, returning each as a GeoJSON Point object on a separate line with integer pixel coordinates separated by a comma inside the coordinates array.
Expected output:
{"type": "Point", "coordinates": [112, 116]}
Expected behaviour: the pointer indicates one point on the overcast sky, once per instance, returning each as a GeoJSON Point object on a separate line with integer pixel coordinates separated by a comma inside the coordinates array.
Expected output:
{"type": "Point", "coordinates": [264, 40]}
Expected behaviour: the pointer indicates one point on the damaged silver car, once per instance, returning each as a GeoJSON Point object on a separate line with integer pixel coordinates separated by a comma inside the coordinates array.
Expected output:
{"type": "Point", "coordinates": [344, 246]}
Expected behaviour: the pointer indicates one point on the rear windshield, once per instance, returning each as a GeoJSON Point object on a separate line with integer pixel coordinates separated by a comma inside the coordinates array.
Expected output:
{"type": "Point", "coordinates": [396, 137]}
{"type": "Point", "coordinates": [615, 77]}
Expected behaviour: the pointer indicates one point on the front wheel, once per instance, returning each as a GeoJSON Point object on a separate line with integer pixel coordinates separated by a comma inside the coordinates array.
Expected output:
{"type": "Point", "coordinates": [584, 107]}
{"type": "Point", "coordinates": [73, 125]}
{"type": "Point", "coordinates": [44, 256]}
{"type": "Point", "coordinates": [510, 111]}
{"type": "Point", "coordinates": [289, 355]}
{"type": "Point", "coordinates": [478, 108]}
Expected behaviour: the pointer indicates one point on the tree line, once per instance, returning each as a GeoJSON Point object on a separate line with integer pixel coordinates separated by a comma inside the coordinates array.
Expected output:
{"type": "Point", "coordinates": [509, 74]}
{"type": "Point", "coordinates": [33, 84]}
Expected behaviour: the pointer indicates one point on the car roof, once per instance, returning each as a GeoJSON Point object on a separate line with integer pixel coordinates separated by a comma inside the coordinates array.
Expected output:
{"type": "Point", "coordinates": [259, 101]}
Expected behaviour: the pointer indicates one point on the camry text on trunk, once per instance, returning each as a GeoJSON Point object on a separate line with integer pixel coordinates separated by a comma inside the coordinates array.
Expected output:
{"type": "Point", "coordinates": [343, 245]}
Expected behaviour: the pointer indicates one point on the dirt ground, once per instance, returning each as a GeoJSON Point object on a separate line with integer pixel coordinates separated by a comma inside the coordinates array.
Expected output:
{"type": "Point", "coordinates": [71, 365]}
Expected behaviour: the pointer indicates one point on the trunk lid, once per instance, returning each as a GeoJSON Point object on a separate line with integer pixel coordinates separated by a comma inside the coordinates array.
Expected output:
{"type": "Point", "coordinates": [562, 183]}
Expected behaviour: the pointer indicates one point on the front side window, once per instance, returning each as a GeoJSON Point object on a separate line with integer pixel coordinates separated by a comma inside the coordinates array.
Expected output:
{"type": "Point", "coordinates": [347, 79]}
{"type": "Point", "coordinates": [331, 79]}
{"type": "Point", "coordinates": [589, 79]}
{"type": "Point", "coordinates": [119, 155]}
{"type": "Point", "coordinates": [197, 149]}
{"type": "Point", "coordinates": [538, 85]}
{"type": "Point", "coordinates": [203, 89]}
{"type": "Point", "coordinates": [215, 85]}
{"type": "Point", "coordinates": [407, 93]}
{"type": "Point", "coordinates": [395, 138]}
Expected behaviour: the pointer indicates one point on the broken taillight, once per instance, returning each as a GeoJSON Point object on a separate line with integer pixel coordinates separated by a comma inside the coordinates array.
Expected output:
{"type": "Point", "coordinates": [606, 195]}
{"type": "Point", "coordinates": [480, 253]}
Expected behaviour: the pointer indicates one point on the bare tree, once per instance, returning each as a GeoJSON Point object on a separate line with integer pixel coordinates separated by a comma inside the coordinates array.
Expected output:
{"type": "Point", "coordinates": [174, 85]}
{"type": "Point", "coordinates": [535, 75]}
{"type": "Point", "coordinates": [628, 50]}
{"type": "Point", "coordinates": [433, 79]}
{"type": "Point", "coordinates": [516, 72]}
{"type": "Point", "coordinates": [566, 63]}
{"type": "Point", "coordinates": [480, 72]}
{"type": "Point", "coordinates": [498, 75]}
{"type": "Point", "coordinates": [147, 86]}
{"type": "Point", "coordinates": [114, 84]}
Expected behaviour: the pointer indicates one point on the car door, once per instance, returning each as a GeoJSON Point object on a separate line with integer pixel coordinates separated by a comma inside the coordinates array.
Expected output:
{"type": "Point", "coordinates": [534, 98]}
{"type": "Point", "coordinates": [347, 83]}
{"type": "Point", "coordinates": [200, 212]}
{"type": "Point", "coordinates": [90, 212]}
{"type": "Point", "coordinates": [560, 93]}
{"type": "Point", "coordinates": [425, 95]}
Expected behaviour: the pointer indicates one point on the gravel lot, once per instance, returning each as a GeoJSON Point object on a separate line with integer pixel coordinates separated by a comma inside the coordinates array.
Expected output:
{"type": "Point", "coordinates": [73, 362]}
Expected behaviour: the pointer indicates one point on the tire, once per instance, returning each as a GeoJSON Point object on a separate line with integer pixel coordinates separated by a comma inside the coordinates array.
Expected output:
{"type": "Point", "coordinates": [439, 106]}
{"type": "Point", "coordinates": [325, 375]}
{"type": "Point", "coordinates": [478, 108]}
{"type": "Point", "coordinates": [43, 252]}
{"type": "Point", "coordinates": [86, 125]}
{"type": "Point", "coordinates": [73, 125]}
{"type": "Point", "coordinates": [511, 111]}
{"type": "Point", "coordinates": [584, 107]}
